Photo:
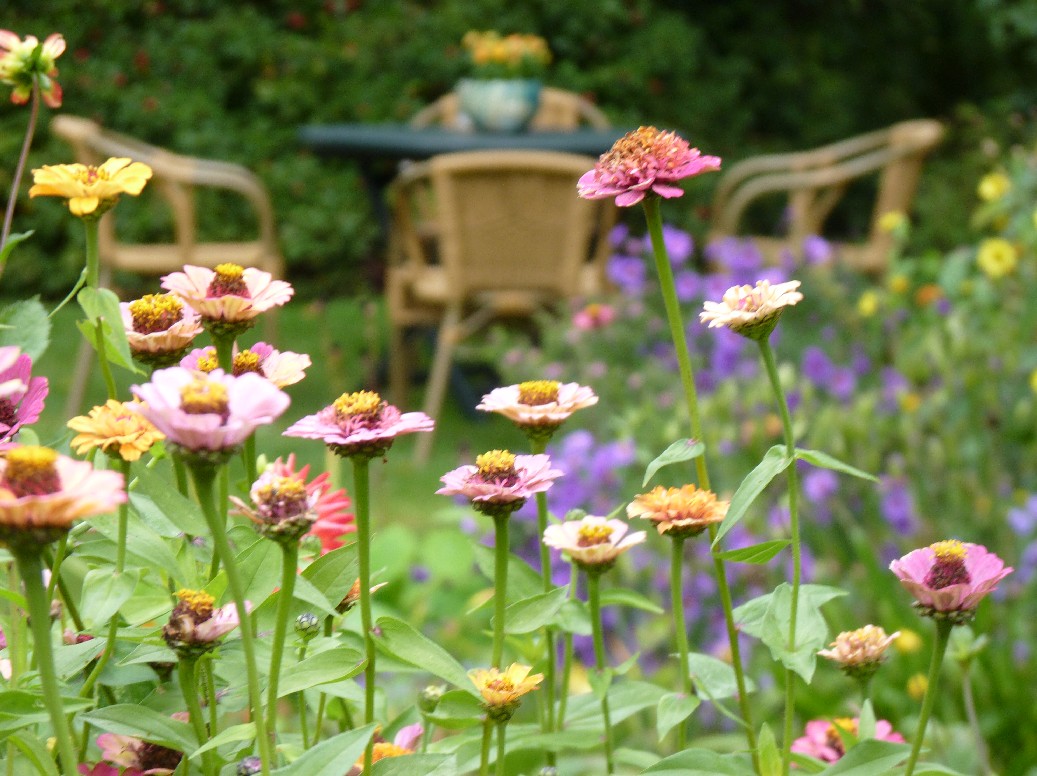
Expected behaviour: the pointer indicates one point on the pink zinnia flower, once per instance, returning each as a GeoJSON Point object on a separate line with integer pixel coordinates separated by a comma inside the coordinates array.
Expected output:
{"type": "Point", "coordinates": [196, 625]}
{"type": "Point", "coordinates": [360, 424]}
{"type": "Point", "coordinates": [823, 739]}
{"type": "Point", "coordinates": [229, 293]}
{"type": "Point", "coordinates": [21, 69]}
{"type": "Point", "coordinates": [645, 160]}
{"type": "Point", "coordinates": [21, 395]}
{"type": "Point", "coordinates": [282, 368]}
{"type": "Point", "coordinates": [751, 311]}
{"type": "Point", "coordinates": [500, 482]}
{"type": "Point", "coordinates": [334, 520]}
{"type": "Point", "coordinates": [948, 579]}
{"type": "Point", "coordinates": [208, 412]}
{"type": "Point", "coordinates": [405, 742]}
{"type": "Point", "coordinates": [538, 405]}
{"type": "Point", "coordinates": [137, 757]}
{"type": "Point", "coordinates": [159, 328]}
{"type": "Point", "coordinates": [592, 542]}
{"type": "Point", "coordinates": [594, 316]}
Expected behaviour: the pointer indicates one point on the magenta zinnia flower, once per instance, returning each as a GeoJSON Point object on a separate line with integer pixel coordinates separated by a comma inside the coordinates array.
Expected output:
{"type": "Point", "coordinates": [948, 579]}
{"type": "Point", "coordinates": [824, 739]}
{"type": "Point", "coordinates": [360, 424]}
{"type": "Point", "coordinates": [21, 394]}
{"type": "Point", "coordinates": [228, 294]}
{"type": "Point", "coordinates": [212, 412]}
{"type": "Point", "coordinates": [500, 482]}
{"type": "Point", "coordinates": [139, 758]}
{"type": "Point", "coordinates": [645, 160]}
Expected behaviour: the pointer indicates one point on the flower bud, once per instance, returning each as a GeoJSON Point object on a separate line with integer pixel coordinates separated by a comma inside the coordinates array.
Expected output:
{"type": "Point", "coordinates": [307, 625]}
{"type": "Point", "coordinates": [428, 699]}
{"type": "Point", "coordinates": [249, 766]}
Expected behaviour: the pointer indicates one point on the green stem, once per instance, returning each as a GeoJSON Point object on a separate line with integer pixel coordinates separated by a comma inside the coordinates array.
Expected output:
{"type": "Point", "coordinates": [484, 752]}
{"type": "Point", "coordinates": [203, 476]}
{"type": "Point", "coordinates": [329, 624]}
{"type": "Point", "coordinates": [538, 446]}
{"type": "Point", "coordinates": [567, 659]}
{"type": "Point", "coordinates": [500, 586]}
{"type": "Point", "coordinates": [943, 634]}
{"type": "Point", "coordinates": [19, 167]}
{"type": "Point", "coordinates": [362, 504]}
{"type": "Point", "coordinates": [31, 570]}
{"type": "Point", "coordinates": [224, 352]}
{"type": "Point", "coordinates": [969, 702]}
{"type": "Point", "coordinates": [289, 571]}
{"type": "Point", "coordinates": [248, 456]}
{"type": "Point", "coordinates": [594, 601]}
{"type": "Point", "coordinates": [501, 729]}
{"type": "Point", "coordinates": [664, 270]}
{"type": "Point", "coordinates": [93, 261]}
{"type": "Point", "coordinates": [426, 734]}
{"type": "Point", "coordinates": [102, 360]}
{"type": "Point", "coordinates": [180, 474]}
{"type": "Point", "coordinates": [17, 638]}
{"type": "Point", "coordinates": [124, 520]}
{"type": "Point", "coordinates": [209, 677]}
{"type": "Point", "coordinates": [767, 353]}
{"type": "Point", "coordinates": [66, 596]}
{"type": "Point", "coordinates": [189, 689]}
{"type": "Point", "coordinates": [677, 604]}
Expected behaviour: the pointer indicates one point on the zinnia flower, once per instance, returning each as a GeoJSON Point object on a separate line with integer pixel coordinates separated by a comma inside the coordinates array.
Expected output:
{"type": "Point", "coordinates": [500, 482]}
{"type": "Point", "coordinates": [228, 295]}
{"type": "Point", "coordinates": [859, 653]}
{"type": "Point", "coordinates": [751, 312]}
{"type": "Point", "coordinates": [41, 493]}
{"type": "Point", "coordinates": [159, 328]}
{"type": "Point", "coordinates": [22, 66]}
{"type": "Point", "coordinates": [593, 542]}
{"type": "Point", "coordinates": [538, 406]}
{"type": "Point", "coordinates": [645, 160]}
{"type": "Point", "coordinates": [824, 739]}
{"type": "Point", "coordinates": [195, 626]}
{"type": "Point", "coordinates": [212, 412]}
{"type": "Point", "coordinates": [360, 424]}
{"type": "Point", "coordinates": [594, 316]}
{"type": "Point", "coordinates": [352, 597]}
{"type": "Point", "coordinates": [502, 691]}
{"type": "Point", "coordinates": [90, 191]}
{"type": "Point", "coordinates": [948, 579]}
{"type": "Point", "coordinates": [117, 429]}
{"type": "Point", "coordinates": [280, 368]}
{"type": "Point", "coordinates": [993, 186]}
{"type": "Point", "coordinates": [21, 395]}
{"type": "Point", "coordinates": [139, 758]}
{"type": "Point", "coordinates": [405, 742]}
{"type": "Point", "coordinates": [334, 520]}
{"type": "Point", "coordinates": [680, 512]}
{"type": "Point", "coordinates": [997, 257]}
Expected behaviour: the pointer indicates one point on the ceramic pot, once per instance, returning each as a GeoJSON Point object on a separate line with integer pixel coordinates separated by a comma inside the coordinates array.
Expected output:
{"type": "Point", "coordinates": [499, 104]}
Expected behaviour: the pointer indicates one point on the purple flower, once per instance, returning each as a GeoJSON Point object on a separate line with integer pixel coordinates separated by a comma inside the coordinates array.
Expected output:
{"type": "Point", "coordinates": [1023, 520]}
{"type": "Point", "coordinates": [628, 273]}
{"type": "Point", "coordinates": [817, 250]}
{"type": "Point", "coordinates": [893, 385]}
{"type": "Point", "coordinates": [21, 395]}
{"type": "Point", "coordinates": [898, 505]}
{"type": "Point", "coordinates": [816, 366]}
{"type": "Point", "coordinates": [688, 285]}
{"type": "Point", "coordinates": [842, 384]}
{"type": "Point", "coordinates": [819, 485]}
{"type": "Point", "coordinates": [679, 244]}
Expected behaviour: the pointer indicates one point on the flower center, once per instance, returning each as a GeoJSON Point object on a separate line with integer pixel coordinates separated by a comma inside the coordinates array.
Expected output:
{"type": "Point", "coordinates": [366, 405]}
{"type": "Point", "coordinates": [949, 566]}
{"type": "Point", "coordinates": [537, 392]}
{"type": "Point", "coordinates": [158, 757]}
{"type": "Point", "coordinates": [229, 281]}
{"type": "Point", "coordinates": [196, 603]}
{"type": "Point", "coordinates": [282, 497]}
{"type": "Point", "coordinates": [89, 175]}
{"type": "Point", "coordinates": [751, 301]}
{"type": "Point", "coordinates": [31, 471]}
{"type": "Point", "coordinates": [384, 749]}
{"type": "Point", "coordinates": [203, 397]}
{"type": "Point", "coordinates": [496, 465]}
{"type": "Point", "coordinates": [208, 361]}
{"type": "Point", "coordinates": [833, 735]}
{"type": "Point", "coordinates": [502, 684]}
{"type": "Point", "coordinates": [8, 413]}
{"type": "Point", "coordinates": [591, 535]}
{"type": "Point", "coordinates": [155, 312]}
{"type": "Point", "coordinates": [645, 147]}
{"type": "Point", "coordinates": [246, 361]}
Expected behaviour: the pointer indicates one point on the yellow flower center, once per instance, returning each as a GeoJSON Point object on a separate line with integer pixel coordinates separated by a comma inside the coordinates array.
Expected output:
{"type": "Point", "coordinates": [207, 362]}
{"type": "Point", "coordinates": [496, 464]}
{"type": "Point", "coordinates": [202, 397]}
{"type": "Point", "coordinates": [633, 150]}
{"type": "Point", "coordinates": [89, 175]}
{"type": "Point", "coordinates": [360, 404]}
{"type": "Point", "coordinates": [949, 549]}
{"type": "Point", "coordinates": [948, 566]}
{"type": "Point", "coordinates": [282, 498]}
{"type": "Point", "coordinates": [198, 602]}
{"type": "Point", "coordinates": [31, 471]}
{"type": "Point", "coordinates": [591, 535]}
{"type": "Point", "coordinates": [501, 684]}
{"type": "Point", "coordinates": [229, 280]}
{"type": "Point", "coordinates": [155, 312]}
{"type": "Point", "coordinates": [537, 392]}
{"type": "Point", "coordinates": [246, 361]}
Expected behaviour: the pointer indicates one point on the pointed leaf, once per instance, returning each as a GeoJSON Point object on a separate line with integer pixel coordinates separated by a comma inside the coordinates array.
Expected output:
{"type": "Point", "coordinates": [101, 307]}
{"type": "Point", "coordinates": [757, 554]}
{"type": "Point", "coordinates": [176, 508]}
{"type": "Point", "coordinates": [702, 762]}
{"type": "Point", "coordinates": [866, 721]}
{"type": "Point", "coordinates": [416, 765]}
{"type": "Point", "coordinates": [621, 596]}
{"type": "Point", "coordinates": [458, 709]}
{"type": "Point", "coordinates": [332, 574]}
{"type": "Point", "coordinates": [825, 461]}
{"type": "Point", "coordinates": [681, 450]}
{"type": "Point", "coordinates": [331, 757]}
{"type": "Point", "coordinates": [13, 240]}
{"type": "Point", "coordinates": [234, 733]}
{"type": "Point", "coordinates": [35, 752]}
{"type": "Point", "coordinates": [128, 719]}
{"type": "Point", "coordinates": [103, 594]}
{"type": "Point", "coordinates": [774, 462]}
{"type": "Point", "coordinates": [523, 581]}
{"type": "Point", "coordinates": [715, 678]}
{"type": "Point", "coordinates": [333, 665]}
{"type": "Point", "coordinates": [400, 640]}
{"type": "Point", "coordinates": [770, 757]}
{"type": "Point", "coordinates": [26, 325]}
{"type": "Point", "coordinates": [868, 758]}
{"type": "Point", "coordinates": [600, 681]}
{"type": "Point", "coordinates": [531, 614]}
{"type": "Point", "coordinates": [672, 710]}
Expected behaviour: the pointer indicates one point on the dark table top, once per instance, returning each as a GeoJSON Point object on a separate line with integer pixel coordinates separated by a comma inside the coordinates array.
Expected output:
{"type": "Point", "coordinates": [399, 141]}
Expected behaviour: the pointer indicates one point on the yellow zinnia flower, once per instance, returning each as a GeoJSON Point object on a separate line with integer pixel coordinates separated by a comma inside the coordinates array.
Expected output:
{"type": "Point", "coordinates": [993, 186]}
{"type": "Point", "coordinates": [90, 190]}
{"type": "Point", "coordinates": [117, 429]}
{"type": "Point", "coordinates": [868, 304]}
{"type": "Point", "coordinates": [502, 691]}
{"type": "Point", "coordinates": [997, 257]}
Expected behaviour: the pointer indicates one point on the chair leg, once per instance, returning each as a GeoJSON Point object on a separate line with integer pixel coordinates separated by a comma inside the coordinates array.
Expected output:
{"type": "Point", "coordinates": [399, 366]}
{"type": "Point", "coordinates": [449, 331]}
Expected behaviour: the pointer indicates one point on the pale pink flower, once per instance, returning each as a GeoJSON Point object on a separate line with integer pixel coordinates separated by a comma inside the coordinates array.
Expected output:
{"type": "Point", "coordinates": [538, 404]}
{"type": "Point", "coordinates": [859, 653]}
{"type": "Point", "coordinates": [159, 328]}
{"type": "Point", "coordinates": [19, 68]}
{"type": "Point", "coordinates": [282, 368]}
{"type": "Point", "coordinates": [751, 312]}
{"type": "Point", "coordinates": [137, 757]}
{"type": "Point", "coordinates": [948, 579]}
{"type": "Point", "coordinates": [208, 412]}
{"type": "Point", "coordinates": [643, 161]}
{"type": "Point", "coordinates": [500, 482]}
{"type": "Point", "coordinates": [21, 395]}
{"type": "Point", "coordinates": [334, 520]}
{"type": "Point", "coordinates": [592, 542]}
{"type": "Point", "coordinates": [823, 739]}
{"type": "Point", "coordinates": [594, 316]}
{"type": "Point", "coordinates": [195, 625]}
{"type": "Point", "coordinates": [229, 293]}
{"type": "Point", "coordinates": [360, 423]}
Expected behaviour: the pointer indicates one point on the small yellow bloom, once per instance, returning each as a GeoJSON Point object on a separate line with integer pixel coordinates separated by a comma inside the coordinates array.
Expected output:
{"type": "Point", "coordinates": [997, 257]}
{"type": "Point", "coordinates": [908, 642]}
{"type": "Point", "coordinates": [993, 186]}
{"type": "Point", "coordinates": [90, 190]}
{"type": "Point", "coordinates": [117, 429]}
{"type": "Point", "coordinates": [916, 686]}
{"type": "Point", "coordinates": [504, 689]}
{"type": "Point", "coordinates": [898, 284]}
{"type": "Point", "coordinates": [868, 304]}
{"type": "Point", "coordinates": [910, 401]}
{"type": "Point", "coordinates": [892, 221]}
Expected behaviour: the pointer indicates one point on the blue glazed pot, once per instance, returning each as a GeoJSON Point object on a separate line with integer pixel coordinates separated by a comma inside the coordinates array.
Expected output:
{"type": "Point", "coordinates": [499, 104]}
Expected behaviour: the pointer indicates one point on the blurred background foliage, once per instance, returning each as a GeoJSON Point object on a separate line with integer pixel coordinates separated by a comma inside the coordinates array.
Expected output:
{"type": "Point", "coordinates": [235, 80]}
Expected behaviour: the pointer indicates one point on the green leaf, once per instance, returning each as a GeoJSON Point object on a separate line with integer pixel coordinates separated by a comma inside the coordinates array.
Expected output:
{"type": "Point", "coordinates": [523, 581]}
{"type": "Point", "coordinates": [102, 306]}
{"type": "Point", "coordinates": [458, 709]}
{"type": "Point", "coordinates": [25, 324]}
{"type": "Point", "coordinates": [600, 681]}
{"type": "Point", "coordinates": [770, 757]}
{"type": "Point", "coordinates": [416, 765]}
{"type": "Point", "coordinates": [825, 461]}
{"type": "Point", "coordinates": [868, 758]}
{"type": "Point", "coordinates": [179, 510]}
{"type": "Point", "coordinates": [715, 678]}
{"type": "Point", "coordinates": [12, 241]}
{"type": "Point", "coordinates": [332, 574]}
{"type": "Point", "coordinates": [70, 659]}
{"type": "Point", "coordinates": [35, 752]}
{"type": "Point", "coordinates": [331, 757]}
{"type": "Point", "coordinates": [234, 733]}
{"type": "Point", "coordinates": [775, 461]}
{"type": "Point", "coordinates": [626, 698]}
{"type": "Point", "coordinates": [130, 719]}
{"type": "Point", "coordinates": [672, 710]}
{"type": "Point", "coordinates": [866, 721]}
{"type": "Point", "coordinates": [681, 450]}
{"type": "Point", "coordinates": [260, 567]}
{"type": "Point", "coordinates": [307, 593]}
{"type": "Point", "coordinates": [574, 617]}
{"type": "Point", "coordinates": [19, 709]}
{"type": "Point", "coordinates": [144, 547]}
{"type": "Point", "coordinates": [621, 596]}
{"type": "Point", "coordinates": [400, 640]}
{"type": "Point", "coordinates": [333, 665]}
{"type": "Point", "coordinates": [533, 613]}
{"type": "Point", "coordinates": [103, 593]}
{"type": "Point", "coordinates": [702, 762]}
{"type": "Point", "coordinates": [757, 554]}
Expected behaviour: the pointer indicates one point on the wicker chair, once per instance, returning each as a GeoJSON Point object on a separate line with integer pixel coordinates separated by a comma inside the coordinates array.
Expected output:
{"type": "Point", "coordinates": [559, 110]}
{"type": "Point", "coordinates": [815, 180]}
{"type": "Point", "coordinates": [175, 180]}
{"type": "Point", "coordinates": [511, 238]}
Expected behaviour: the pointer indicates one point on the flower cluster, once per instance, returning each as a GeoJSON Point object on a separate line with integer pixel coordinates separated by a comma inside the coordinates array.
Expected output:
{"type": "Point", "coordinates": [493, 55]}
{"type": "Point", "coordinates": [824, 740]}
